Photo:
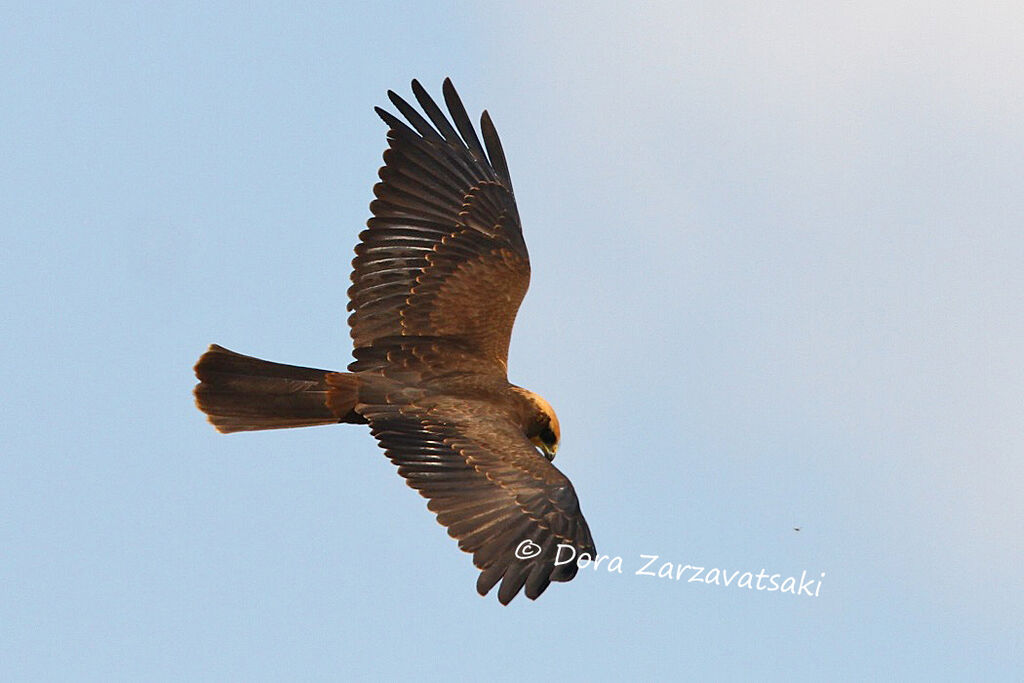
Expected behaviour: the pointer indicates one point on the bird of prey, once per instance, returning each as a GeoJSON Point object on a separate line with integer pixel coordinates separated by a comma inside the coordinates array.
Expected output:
{"type": "Point", "coordinates": [436, 283]}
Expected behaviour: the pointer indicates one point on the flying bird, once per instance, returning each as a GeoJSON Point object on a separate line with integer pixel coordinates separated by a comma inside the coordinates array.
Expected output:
{"type": "Point", "coordinates": [437, 279]}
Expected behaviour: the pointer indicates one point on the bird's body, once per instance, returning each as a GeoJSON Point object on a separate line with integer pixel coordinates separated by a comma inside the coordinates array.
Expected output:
{"type": "Point", "coordinates": [437, 280]}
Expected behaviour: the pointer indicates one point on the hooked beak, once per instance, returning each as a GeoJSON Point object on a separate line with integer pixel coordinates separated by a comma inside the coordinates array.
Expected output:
{"type": "Point", "coordinates": [548, 451]}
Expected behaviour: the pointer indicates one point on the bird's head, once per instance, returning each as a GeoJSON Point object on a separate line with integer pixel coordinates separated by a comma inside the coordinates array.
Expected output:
{"type": "Point", "coordinates": [543, 429]}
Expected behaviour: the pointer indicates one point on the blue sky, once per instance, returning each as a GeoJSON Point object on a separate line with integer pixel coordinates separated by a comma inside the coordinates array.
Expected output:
{"type": "Point", "coordinates": [777, 283]}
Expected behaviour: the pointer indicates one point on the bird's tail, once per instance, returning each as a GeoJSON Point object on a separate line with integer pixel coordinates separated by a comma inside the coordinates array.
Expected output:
{"type": "Point", "coordinates": [241, 393]}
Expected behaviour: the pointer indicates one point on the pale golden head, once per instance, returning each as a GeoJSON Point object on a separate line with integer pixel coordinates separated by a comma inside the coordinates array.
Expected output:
{"type": "Point", "coordinates": [545, 432]}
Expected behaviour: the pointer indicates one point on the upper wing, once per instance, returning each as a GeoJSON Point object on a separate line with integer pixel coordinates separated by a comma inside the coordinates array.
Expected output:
{"type": "Point", "coordinates": [488, 485]}
{"type": "Point", "coordinates": [444, 257]}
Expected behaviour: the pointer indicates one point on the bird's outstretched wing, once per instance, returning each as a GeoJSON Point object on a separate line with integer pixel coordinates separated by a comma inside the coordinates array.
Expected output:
{"type": "Point", "coordinates": [487, 484]}
{"type": "Point", "coordinates": [443, 261]}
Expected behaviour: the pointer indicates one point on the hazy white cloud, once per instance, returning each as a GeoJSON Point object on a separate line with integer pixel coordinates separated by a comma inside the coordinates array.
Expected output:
{"type": "Point", "coordinates": [823, 204]}
{"type": "Point", "coordinates": [800, 55]}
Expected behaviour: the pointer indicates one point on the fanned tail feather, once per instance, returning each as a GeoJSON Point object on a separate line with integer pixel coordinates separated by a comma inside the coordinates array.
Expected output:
{"type": "Point", "coordinates": [241, 393]}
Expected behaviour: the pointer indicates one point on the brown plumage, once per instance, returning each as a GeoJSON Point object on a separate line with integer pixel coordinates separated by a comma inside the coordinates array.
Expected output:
{"type": "Point", "coordinates": [437, 280]}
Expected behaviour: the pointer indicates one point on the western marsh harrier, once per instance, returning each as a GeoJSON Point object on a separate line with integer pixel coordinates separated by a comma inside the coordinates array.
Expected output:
{"type": "Point", "coordinates": [437, 279]}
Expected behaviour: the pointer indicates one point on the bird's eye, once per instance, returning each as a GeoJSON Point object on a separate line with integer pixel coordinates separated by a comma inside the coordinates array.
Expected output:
{"type": "Point", "coordinates": [548, 436]}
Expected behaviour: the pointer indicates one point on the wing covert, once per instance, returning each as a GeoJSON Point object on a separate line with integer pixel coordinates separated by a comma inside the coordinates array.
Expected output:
{"type": "Point", "coordinates": [443, 256]}
{"type": "Point", "coordinates": [488, 485]}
